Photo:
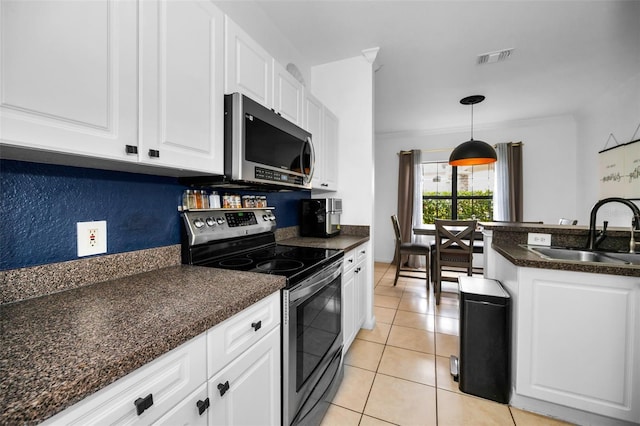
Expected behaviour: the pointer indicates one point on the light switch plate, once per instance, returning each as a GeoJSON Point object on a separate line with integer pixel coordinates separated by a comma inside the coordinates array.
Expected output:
{"type": "Point", "coordinates": [538, 239]}
{"type": "Point", "coordinates": [92, 238]}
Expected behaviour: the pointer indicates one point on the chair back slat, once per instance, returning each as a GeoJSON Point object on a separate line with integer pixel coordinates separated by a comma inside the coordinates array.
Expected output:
{"type": "Point", "coordinates": [396, 227]}
{"type": "Point", "coordinates": [454, 242]}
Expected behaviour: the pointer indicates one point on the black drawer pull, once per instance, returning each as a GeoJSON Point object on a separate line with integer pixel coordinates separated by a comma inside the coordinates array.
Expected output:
{"type": "Point", "coordinates": [202, 406]}
{"type": "Point", "coordinates": [131, 149]}
{"type": "Point", "coordinates": [154, 153]}
{"type": "Point", "coordinates": [256, 325]}
{"type": "Point", "coordinates": [143, 403]}
{"type": "Point", "coordinates": [223, 387]}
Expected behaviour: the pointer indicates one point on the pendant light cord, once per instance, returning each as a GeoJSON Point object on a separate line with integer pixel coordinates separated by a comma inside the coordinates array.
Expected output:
{"type": "Point", "coordinates": [471, 121]}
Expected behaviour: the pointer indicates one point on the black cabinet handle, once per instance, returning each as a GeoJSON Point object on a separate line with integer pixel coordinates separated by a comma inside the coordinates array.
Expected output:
{"type": "Point", "coordinates": [202, 406]}
{"type": "Point", "coordinates": [154, 153]}
{"type": "Point", "coordinates": [143, 403]}
{"type": "Point", "coordinates": [350, 260]}
{"type": "Point", "coordinates": [131, 149]}
{"type": "Point", "coordinates": [223, 387]}
{"type": "Point", "coordinates": [256, 325]}
{"type": "Point", "coordinates": [324, 184]}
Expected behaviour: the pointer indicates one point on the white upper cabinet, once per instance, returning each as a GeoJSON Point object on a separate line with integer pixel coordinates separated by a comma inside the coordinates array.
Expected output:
{"type": "Point", "coordinates": [248, 67]}
{"type": "Point", "coordinates": [287, 94]}
{"type": "Point", "coordinates": [69, 76]}
{"type": "Point", "coordinates": [330, 148]}
{"type": "Point", "coordinates": [313, 122]}
{"type": "Point", "coordinates": [182, 112]}
{"type": "Point", "coordinates": [323, 125]}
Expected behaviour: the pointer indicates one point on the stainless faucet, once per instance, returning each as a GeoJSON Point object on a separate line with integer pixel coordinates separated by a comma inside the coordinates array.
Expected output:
{"type": "Point", "coordinates": [592, 243]}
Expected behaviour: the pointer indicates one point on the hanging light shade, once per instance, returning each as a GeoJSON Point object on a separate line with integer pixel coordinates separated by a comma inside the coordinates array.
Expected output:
{"type": "Point", "coordinates": [472, 152]}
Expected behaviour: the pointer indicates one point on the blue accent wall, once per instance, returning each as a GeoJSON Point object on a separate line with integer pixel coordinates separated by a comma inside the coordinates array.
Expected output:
{"type": "Point", "coordinates": [41, 204]}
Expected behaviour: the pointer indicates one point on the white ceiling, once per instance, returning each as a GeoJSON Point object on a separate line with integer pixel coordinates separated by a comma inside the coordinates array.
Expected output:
{"type": "Point", "coordinates": [567, 53]}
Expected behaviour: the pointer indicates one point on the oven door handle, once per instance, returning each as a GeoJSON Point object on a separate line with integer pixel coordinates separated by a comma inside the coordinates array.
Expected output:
{"type": "Point", "coordinates": [302, 291]}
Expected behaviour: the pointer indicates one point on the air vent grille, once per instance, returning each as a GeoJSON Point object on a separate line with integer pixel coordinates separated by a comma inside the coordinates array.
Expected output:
{"type": "Point", "coordinates": [492, 57]}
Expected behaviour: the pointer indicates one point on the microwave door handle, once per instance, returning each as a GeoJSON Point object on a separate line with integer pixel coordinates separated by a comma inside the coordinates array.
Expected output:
{"type": "Point", "coordinates": [313, 158]}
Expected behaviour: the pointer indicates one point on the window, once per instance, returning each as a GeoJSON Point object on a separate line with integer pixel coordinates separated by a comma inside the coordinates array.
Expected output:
{"type": "Point", "coordinates": [457, 193]}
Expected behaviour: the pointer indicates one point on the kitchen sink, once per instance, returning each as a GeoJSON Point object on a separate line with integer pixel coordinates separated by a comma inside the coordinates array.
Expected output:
{"type": "Point", "coordinates": [581, 255]}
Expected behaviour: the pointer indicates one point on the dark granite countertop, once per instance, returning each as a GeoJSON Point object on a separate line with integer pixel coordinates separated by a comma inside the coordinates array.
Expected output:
{"type": "Point", "coordinates": [520, 256]}
{"type": "Point", "coordinates": [56, 350]}
{"type": "Point", "coordinates": [339, 242]}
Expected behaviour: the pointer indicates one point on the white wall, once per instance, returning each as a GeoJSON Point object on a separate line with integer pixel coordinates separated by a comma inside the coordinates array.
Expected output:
{"type": "Point", "coordinates": [549, 169]}
{"type": "Point", "coordinates": [346, 88]}
{"type": "Point", "coordinates": [617, 112]}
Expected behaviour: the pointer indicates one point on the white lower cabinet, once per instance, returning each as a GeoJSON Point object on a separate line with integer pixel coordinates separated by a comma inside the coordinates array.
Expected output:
{"type": "Point", "coordinates": [188, 385]}
{"type": "Point", "coordinates": [354, 292]}
{"type": "Point", "coordinates": [247, 391]}
{"type": "Point", "coordinates": [576, 340]}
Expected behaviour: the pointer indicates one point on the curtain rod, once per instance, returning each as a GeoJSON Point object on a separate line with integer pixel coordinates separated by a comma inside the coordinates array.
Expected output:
{"type": "Point", "coordinates": [512, 144]}
{"type": "Point", "coordinates": [450, 149]}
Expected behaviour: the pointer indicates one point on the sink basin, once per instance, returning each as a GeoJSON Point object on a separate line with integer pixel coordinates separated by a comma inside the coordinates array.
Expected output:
{"type": "Point", "coordinates": [632, 258]}
{"type": "Point", "coordinates": [577, 255]}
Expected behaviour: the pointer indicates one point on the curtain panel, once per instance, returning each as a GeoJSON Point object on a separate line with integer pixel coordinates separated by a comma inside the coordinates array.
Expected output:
{"type": "Point", "coordinates": [508, 188]}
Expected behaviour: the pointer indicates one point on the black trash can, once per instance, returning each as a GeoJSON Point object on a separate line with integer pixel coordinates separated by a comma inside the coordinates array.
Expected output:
{"type": "Point", "coordinates": [485, 337]}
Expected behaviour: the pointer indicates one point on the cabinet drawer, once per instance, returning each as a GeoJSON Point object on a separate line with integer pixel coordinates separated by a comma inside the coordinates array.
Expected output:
{"type": "Point", "coordinates": [361, 252]}
{"type": "Point", "coordinates": [168, 379]}
{"type": "Point", "coordinates": [349, 261]}
{"type": "Point", "coordinates": [187, 413]}
{"type": "Point", "coordinates": [229, 339]}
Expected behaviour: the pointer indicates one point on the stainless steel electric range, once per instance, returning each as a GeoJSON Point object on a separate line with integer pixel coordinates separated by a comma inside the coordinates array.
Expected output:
{"type": "Point", "coordinates": [244, 240]}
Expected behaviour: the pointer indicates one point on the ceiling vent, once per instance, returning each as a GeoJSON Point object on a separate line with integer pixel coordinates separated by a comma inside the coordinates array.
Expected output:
{"type": "Point", "coordinates": [492, 57]}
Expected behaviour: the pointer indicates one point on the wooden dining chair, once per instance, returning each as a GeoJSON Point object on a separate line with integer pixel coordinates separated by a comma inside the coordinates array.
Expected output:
{"type": "Point", "coordinates": [402, 249]}
{"type": "Point", "coordinates": [454, 251]}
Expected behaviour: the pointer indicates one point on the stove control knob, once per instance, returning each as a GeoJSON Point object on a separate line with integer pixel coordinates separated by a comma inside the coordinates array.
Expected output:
{"type": "Point", "coordinates": [220, 221]}
{"type": "Point", "coordinates": [210, 221]}
{"type": "Point", "coordinates": [272, 217]}
{"type": "Point", "coordinates": [198, 223]}
{"type": "Point", "coordinates": [265, 217]}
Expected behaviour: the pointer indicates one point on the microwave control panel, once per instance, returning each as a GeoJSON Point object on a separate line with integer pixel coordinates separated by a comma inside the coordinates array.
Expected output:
{"type": "Point", "coordinates": [277, 176]}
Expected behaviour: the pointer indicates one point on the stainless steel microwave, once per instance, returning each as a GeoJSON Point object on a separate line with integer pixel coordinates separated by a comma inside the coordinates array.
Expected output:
{"type": "Point", "coordinates": [263, 148]}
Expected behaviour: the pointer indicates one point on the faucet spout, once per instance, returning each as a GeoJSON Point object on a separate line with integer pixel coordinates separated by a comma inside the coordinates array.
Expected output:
{"type": "Point", "coordinates": [592, 243]}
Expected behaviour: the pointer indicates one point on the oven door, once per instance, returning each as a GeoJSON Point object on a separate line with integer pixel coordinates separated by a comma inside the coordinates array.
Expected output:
{"type": "Point", "coordinates": [312, 342]}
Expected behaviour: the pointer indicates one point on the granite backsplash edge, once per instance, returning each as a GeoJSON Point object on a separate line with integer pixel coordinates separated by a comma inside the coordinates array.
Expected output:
{"type": "Point", "coordinates": [36, 281]}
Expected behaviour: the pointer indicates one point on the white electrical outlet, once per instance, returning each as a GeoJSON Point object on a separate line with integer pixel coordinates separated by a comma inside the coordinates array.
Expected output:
{"type": "Point", "coordinates": [539, 239]}
{"type": "Point", "coordinates": [92, 238]}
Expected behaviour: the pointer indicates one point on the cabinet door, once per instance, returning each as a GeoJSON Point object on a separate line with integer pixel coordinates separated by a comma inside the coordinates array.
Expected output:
{"type": "Point", "coordinates": [188, 412]}
{"type": "Point", "coordinates": [313, 124]}
{"type": "Point", "coordinates": [348, 308]}
{"type": "Point", "coordinates": [578, 341]}
{"type": "Point", "coordinates": [248, 67]}
{"type": "Point", "coordinates": [182, 77]}
{"type": "Point", "coordinates": [287, 94]}
{"type": "Point", "coordinates": [247, 391]}
{"type": "Point", "coordinates": [69, 80]}
{"type": "Point", "coordinates": [330, 151]}
{"type": "Point", "coordinates": [360, 289]}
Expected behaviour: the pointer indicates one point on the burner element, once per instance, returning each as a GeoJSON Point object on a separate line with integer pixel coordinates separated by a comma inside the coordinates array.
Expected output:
{"type": "Point", "coordinates": [279, 265]}
{"type": "Point", "coordinates": [269, 253]}
{"type": "Point", "coordinates": [305, 253]}
{"type": "Point", "coordinates": [235, 262]}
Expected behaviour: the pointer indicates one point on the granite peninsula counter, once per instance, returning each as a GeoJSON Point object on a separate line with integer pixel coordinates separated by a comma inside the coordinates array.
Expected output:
{"type": "Point", "coordinates": [57, 349]}
{"type": "Point", "coordinates": [508, 238]}
{"type": "Point", "coordinates": [574, 325]}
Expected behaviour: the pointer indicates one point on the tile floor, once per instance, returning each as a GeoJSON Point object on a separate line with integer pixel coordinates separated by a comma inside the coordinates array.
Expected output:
{"type": "Point", "coordinates": [398, 373]}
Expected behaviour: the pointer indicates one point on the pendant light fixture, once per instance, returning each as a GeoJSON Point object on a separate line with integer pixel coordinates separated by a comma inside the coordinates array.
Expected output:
{"type": "Point", "coordinates": [472, 152]}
